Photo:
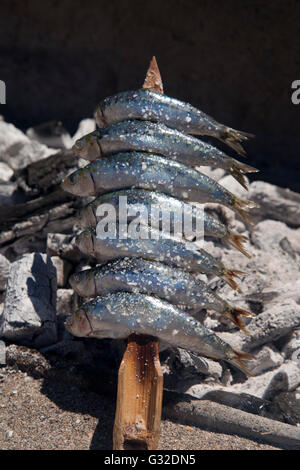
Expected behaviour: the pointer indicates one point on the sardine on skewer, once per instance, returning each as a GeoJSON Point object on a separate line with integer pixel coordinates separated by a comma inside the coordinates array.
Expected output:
{"type": "Point", "coordinates": [151, 106]}
{"type": "Point", "coordinates": [157, 247]}
{"type": "Point", "coordinates": [147, 171]}
{"type": "Point", "coordinates": [163, 203]}
{"type": "Point", "coordinates": [148, 277]}
{"type": "Point", "coordinates": [121, 314]}
{"type": "Point", "coordinates": [144, 136]}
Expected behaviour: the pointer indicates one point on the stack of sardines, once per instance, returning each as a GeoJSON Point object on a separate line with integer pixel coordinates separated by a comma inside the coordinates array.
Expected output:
{"type": "Point", "coordinates": [142, 149]}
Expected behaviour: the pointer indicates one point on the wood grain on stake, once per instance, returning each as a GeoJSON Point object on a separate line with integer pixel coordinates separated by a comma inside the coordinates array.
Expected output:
{"type": "Point", "coordinates": [140, 380]}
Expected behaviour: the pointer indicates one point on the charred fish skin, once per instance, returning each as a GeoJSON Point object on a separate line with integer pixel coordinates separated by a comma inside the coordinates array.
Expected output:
{"type": "Point", "coordinates": [151, 106]}
{"type": "Point", "coordinates": [137, 275]}
{"type": "Point", "coordinates": [159, 139]}
{"type": "Point", "coordinates": [151, 172]}
{"type": "Point", "coordinates": [171, 251]}
{"type": "Point", "coordinates": [121, 314]}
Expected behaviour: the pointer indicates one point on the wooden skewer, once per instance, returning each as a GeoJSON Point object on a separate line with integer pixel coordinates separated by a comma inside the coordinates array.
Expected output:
{"type": "Point", "coordinates": [153, 79]}
{"type": "Point", "coordinates": [139, 400]}
{"type": "Point", "coordinates": [140, 379]}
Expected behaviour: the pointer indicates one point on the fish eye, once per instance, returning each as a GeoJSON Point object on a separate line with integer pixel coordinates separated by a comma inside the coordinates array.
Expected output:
{"type": "Point", "coordinates": [73, 178]}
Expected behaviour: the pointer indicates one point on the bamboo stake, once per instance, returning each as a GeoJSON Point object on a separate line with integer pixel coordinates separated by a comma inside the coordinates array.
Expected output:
{"type": "Point", "coordinates": [140, 379]}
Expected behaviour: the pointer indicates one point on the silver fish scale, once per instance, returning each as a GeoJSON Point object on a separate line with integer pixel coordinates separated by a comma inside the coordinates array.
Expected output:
{"type": "Point", "coordinates": [182, 254]}
{"type": "Point", "coordinates": [150, 199]}
{"type": "Point", "coordinates": [159, 139]}
{"type": "Point", "coordinates": [142, 314]}
{"type": "Point", "coordinates": [148, 277]}
{"type": "Point", "coordinates": [145, 155]}
{"type": "Point", "coordinates": [146, 171]}
{"type": "Point", "coordinates": [152, 106]}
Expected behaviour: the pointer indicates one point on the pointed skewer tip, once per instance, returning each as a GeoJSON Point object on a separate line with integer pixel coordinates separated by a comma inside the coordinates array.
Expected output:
{"type": "Point", "coordinates": [153, 79]}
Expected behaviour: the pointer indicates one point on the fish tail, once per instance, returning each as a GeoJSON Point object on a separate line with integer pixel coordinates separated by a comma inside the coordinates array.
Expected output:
{"type": "Point", "coordinates": [238, 169]}
{"type": "Point", "coordinates": [239, 177]}
{"type": "Point", "coordinates": [238, 360]}
{"type": "Point", "coordinates": [99, 118]}
{"type": "Point", "coordinates": [233, 139]}
{"type": "Point", "coordinates": [241, 207]}
{"type": "Point", "coordinates": [242, 167]}
{"type": "Point", "coordinates": [237, 241]}
{"type": "Point", "coordinates": [228, 276]}
{"type": "Point", "coordinates": [235, 315]}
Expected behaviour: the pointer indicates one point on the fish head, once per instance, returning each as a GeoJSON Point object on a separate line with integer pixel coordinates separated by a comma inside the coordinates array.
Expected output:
{"type": "Point", "coordinates": [79, 183]}
{"type": "Point", "coordinates": [84, 241]}
{"type": "Point", "coordinates": [78, 324]}
{"type": "Point", "coordinates": [88, 147]}
{"type": "Point", "coordinates": [83, 283]}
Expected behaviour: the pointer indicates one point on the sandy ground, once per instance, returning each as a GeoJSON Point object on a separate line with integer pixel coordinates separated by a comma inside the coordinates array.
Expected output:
{"type": "Point", "coordinates": [41, 414]}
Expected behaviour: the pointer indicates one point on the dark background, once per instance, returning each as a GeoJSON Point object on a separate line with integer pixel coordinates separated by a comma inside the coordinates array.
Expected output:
{"type": "Point", "coordinates": [235, 60]}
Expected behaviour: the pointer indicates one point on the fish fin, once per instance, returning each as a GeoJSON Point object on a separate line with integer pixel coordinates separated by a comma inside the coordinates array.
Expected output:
{"type": "Point", "coordinates": [242, 167]}
{"type": "Point", "coordinates": [228, 276]}
{"type": "Point", "coordinates": [239, 177]}
{"type": "Point", "coordinates": [238, 169]}
{"type": "Point", "coordinates": [236, 240]}
{"type": "Point", "coordinates": [238, 361]}
{"type": "Point", "coordinates": [241, 207]}
{"type": "Point", "coordinates": [99, 118]}
{"type": "Point", "coordinates": [235, 315]}
{"type": "Point", "coordinates": [233, 139]}
{"type": "Point", "coordinates": [235, 146]}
